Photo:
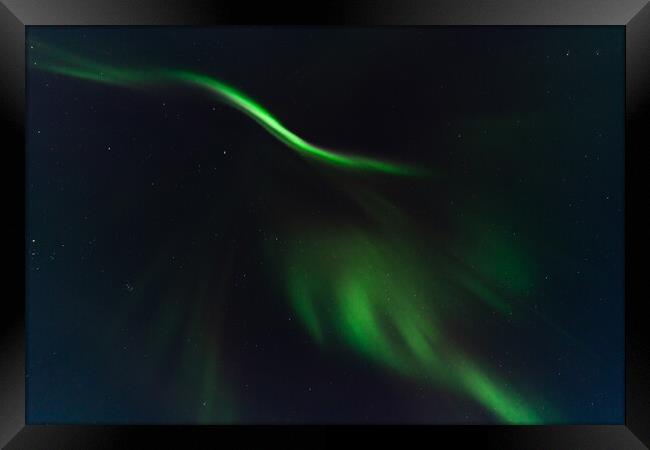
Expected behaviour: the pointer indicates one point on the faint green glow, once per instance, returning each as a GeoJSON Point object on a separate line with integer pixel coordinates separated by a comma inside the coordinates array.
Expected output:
{"type": "Point", "coordinates": [61, 62]}
{"type": "Point", "coordinates": [55, 60]}
{"type": "Point", "coordinates": [181, 358]}
{"type": "Point", "coordinates": [304, 303]}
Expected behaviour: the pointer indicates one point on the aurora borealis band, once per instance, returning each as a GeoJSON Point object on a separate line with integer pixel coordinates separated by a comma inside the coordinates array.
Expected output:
{"type": "Point", "coordinates": [58, 61]}
{"type": "Point", "coordinates": [449, 252]}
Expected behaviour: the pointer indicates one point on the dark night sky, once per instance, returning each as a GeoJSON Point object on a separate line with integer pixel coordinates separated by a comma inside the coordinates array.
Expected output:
{"type": "Point", "coordinates": [166, 229]}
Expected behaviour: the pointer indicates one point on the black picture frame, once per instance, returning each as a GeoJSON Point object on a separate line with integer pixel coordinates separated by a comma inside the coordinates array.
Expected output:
{"type": "Point", "coordinates": [15, 15]}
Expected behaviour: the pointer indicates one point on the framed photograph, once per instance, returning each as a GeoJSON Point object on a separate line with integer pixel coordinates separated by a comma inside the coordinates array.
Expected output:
{"type": "Point", "coordinates": [261, 223]}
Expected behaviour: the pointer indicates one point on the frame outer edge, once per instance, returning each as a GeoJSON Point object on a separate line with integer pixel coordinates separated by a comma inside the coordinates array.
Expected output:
{"type": "Point", "coordinates": [12, 324]}
{"type": "Point", "coordinates": [360, 12]}
{"type": "Point", "coordinates": [634, 13]}
{"type": "Point", "coordinates": [637, 348]}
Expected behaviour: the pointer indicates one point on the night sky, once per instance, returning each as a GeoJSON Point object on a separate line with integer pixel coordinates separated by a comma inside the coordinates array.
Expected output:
{"type": "Point", "coordinates": [325, 225]}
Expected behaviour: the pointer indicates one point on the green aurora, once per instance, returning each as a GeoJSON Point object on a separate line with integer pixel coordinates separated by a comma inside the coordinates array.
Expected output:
{"type": "Point", "coordinates": [365, 290]}
{"type": "Point", "coordinates": [371, 292]}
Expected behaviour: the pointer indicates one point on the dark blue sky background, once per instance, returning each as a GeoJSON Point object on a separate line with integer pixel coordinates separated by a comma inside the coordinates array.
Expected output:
{"type": "Point", "coordinates": [144, 206]}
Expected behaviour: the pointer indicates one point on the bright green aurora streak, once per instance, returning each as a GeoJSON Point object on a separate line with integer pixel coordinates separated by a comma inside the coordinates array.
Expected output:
{"type": "Point", "coordinates": [58, 61]}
